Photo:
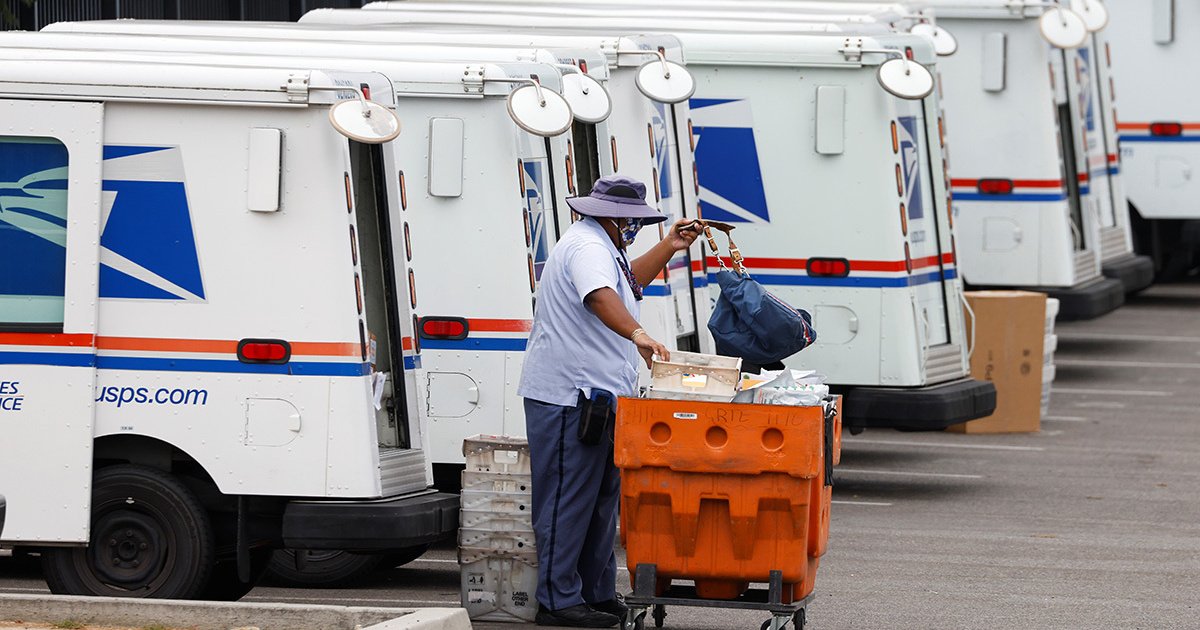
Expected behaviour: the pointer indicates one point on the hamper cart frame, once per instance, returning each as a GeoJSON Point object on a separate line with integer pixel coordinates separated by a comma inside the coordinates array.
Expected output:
{"type": "Point", "coordinates": [643, 601]}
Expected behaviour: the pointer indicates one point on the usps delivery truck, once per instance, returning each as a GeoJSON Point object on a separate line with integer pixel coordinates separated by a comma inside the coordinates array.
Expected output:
{"type": "Point", "coordinates": [1153, 46]}
{"type": "Point", "coordinates": [1087, 107]}
{"type": "Point", "coordinates": [510, 259]}
{"type": "Point", "coordinates": [639, 138]}
{"type": "Point", "coordinates": [221, 345]}
{"type": "Point", "coordinates": [888, 277]}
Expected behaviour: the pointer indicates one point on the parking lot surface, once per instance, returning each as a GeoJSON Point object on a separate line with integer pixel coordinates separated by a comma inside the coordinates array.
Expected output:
{"type": "Point", "coordinates": [1093, 522]}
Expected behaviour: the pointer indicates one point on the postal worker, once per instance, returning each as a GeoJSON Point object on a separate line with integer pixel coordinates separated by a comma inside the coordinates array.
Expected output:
{"type": "Point", "coordinates": [582, 354]}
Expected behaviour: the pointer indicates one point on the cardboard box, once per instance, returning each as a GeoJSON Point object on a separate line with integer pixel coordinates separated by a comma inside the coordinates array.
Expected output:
{"type": "Point", "coordinates": [1009, 340]}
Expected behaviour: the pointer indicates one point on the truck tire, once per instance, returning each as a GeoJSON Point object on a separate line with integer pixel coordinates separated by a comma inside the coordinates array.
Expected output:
{"type": "Point", "coordinates": [150, 537]}
{"type": "Point", "coordinates": [401, 557]}
{"type": "Point", "coordinates": [327, 569]}
{"type": "Point", "coordinates": [225, 586]}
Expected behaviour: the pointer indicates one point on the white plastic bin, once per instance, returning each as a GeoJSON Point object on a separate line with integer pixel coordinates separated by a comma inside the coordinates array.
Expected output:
{"type": "Point", "coordinates": [501, 504]}
{"type": "Point", "coordinates": [478, 481]}
{"type": "Point", "coordinates": [498, 454]}
{"type": "Point", "coordinates": [694, 376]}
{"type": "Point", "coordinates": [500, 588]}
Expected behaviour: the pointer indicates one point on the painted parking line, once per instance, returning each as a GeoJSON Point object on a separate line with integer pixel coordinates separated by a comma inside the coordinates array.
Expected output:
{"type": "Point", "coordinates": [984, 447]}
{"type": "Point", "coordinates": [1064, 419]}
{"type": "Point", "coordinates": [1108, 392]}
{"type": "Point", "coordinates": [867, 503]}
{"type": "Point", "coordinates": [1123, 337]}
{"type": "Point", "coordinates": [904, 473]}
{"type": "Point", "coordinates": [1126, 364]}
{"type": "Point", "coordinates": [341, 601]}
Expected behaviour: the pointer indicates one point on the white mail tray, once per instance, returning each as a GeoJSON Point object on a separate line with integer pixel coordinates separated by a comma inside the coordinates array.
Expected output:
{"type": "Point", "coordinates": [695, 376]}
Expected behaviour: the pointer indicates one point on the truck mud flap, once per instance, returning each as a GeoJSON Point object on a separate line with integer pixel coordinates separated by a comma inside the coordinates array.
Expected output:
{"type": "Point", "coordinates": [930, 408]}
{"type": "Point", "coordinates": [393, 523]}
{"type": "Point", "coordinates": [1088, 301]}
{"type": "Point", "coordinates": [1133, 272]}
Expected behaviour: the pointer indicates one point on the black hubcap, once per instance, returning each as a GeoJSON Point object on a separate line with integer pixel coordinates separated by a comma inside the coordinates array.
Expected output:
{"type": "Point", "coordinates": [127, 548]}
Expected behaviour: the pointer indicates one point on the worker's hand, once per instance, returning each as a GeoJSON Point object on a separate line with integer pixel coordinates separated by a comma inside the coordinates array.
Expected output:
{"type": "Point", "coordinates": [648, 348]}
{"type": "Point", "coordinates": [682, 234]}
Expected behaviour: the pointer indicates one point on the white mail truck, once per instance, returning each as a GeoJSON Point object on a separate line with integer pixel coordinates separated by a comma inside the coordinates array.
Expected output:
{"type": "Point", "coordinates": [777, 126]}
{"type": "Point", "coordinates": [1030, 213]}
{"type": "Point", "coordinates": [1153, 46]}
{"type": "Point", "coordinates": [640, 138]}
{"type": "Point", "coordinates": [1090, 142]}
{"type": "Point", "coordinates": [200, 360]}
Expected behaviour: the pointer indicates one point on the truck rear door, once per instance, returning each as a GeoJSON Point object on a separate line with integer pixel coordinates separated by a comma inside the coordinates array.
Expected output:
{"type": "Point", "coordinates": [52, 214]}
{"type": "Point", "coordinates": [924, 252]}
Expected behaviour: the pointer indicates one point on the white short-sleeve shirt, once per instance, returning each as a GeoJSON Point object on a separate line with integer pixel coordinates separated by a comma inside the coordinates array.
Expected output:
{"type": "Point", "coordinates": [570, 349]}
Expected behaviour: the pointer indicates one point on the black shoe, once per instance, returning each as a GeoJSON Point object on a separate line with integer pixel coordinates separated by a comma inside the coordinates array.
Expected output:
{"type": "Point", "coordinates": [581, 616]}
{"type": "Point", "coordinates": [614, 606]}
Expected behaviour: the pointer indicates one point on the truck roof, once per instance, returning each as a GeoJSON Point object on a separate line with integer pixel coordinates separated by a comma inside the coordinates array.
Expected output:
{"type": "Point", "coordinates": [713, 41]}
{"type": "Point", "coordinates": [218, 44]}
{"type": "Point", "coordinates": [391, 76]}
{"type": "Point", "coordinates": [138, 80]}
{"type": "Point", "coordinates": [627, 9]}
{"type": "Point", "coordinates": [992, 9]}
{"type": "Point", "coordinates": [315, 31]}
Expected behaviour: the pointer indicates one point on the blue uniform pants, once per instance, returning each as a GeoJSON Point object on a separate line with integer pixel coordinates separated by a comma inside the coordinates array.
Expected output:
{"type": "Point", "coordinates": [575, 492]}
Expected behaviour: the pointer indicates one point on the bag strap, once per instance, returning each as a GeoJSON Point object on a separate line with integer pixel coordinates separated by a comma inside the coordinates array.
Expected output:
{"type": "Point", "coordinates": [735, 255]}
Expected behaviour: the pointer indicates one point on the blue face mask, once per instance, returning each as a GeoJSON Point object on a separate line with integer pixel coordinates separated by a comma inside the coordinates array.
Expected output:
{"type": "Point", "coordinates": [629, 229]}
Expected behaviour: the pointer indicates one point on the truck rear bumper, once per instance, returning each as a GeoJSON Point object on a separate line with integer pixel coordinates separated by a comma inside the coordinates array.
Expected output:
{"type": "Point", "coordinates": [1133, 272]}
{"type": "Point", "coordinates": [393, 523]}
{"type": "Point", "coordinates": [930, 408]}
{"type": "Point", "coordinates": [1088, 301]}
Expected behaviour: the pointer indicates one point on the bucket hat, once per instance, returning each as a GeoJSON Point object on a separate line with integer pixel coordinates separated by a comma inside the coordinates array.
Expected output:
{"type": "Point", "coordinates": [617, 197]}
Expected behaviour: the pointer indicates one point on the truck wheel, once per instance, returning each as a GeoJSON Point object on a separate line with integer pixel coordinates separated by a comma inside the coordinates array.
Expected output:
{"type": "Point", "coordinates": [225, 586]}
{"type": "Point", "coordinates": [401, 557]}
{"type": "Point", "coordinates": [150, 538]}
{"type": "Point", "coordinates": [320, 568]}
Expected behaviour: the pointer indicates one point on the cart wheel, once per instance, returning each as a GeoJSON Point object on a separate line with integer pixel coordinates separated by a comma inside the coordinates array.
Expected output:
{"type": "Point", "coordinates": [635, 619]}
{"type": "Point", "coordinates": [775, 623]}
{"type": "Point", "coordinates": [660, 615]}
{"type": "Point", "coordinates": [798, 620]}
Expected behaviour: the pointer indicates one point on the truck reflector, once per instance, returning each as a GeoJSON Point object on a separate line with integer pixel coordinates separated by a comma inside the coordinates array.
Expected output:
{"type": "Point", "coordinates": [349, 194]}
{"type": "Point", "coordinates": [273, 351]}
{"type": "Point", "coordinates": [612, 143]}
{"type": "Point", "coordinates": [995, 186]}
{"type": "Point", "coordinates": [454, 328]}
{"type": "Point", "coordinates": [895, 139]}
{"type": "Point", "coordinates": [691, 136]}
{"type": "Point", "coordinates": [1166, 129]}
{"type": "Point", "coordinates": [828, 267]}
{"type": "Point", "coordinates": [358, 293]}
{"type": "Point", "coordinates": [403, 193]}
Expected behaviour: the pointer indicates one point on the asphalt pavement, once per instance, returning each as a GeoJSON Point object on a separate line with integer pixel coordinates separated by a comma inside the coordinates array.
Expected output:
{"type": "Point", "coordinates": [1092, 523]}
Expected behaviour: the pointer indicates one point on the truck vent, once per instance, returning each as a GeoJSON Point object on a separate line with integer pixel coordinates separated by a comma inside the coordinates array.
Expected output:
{"type": "Point", "coordinates": [1112, 243]}
{"type": "Point", "coordinates": [401, 470]}
{"type": "Point", "coordinates": [944, 363]}
{"type": "Point", "coordinates": [1085, 266]}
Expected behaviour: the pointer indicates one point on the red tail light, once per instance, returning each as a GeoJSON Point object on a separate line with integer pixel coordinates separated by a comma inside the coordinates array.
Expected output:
{"type": "Point", "coordinates": [444, 328]}
{"type": "Point", "coordinates": [271, 351]}
{"type": "Point", "coordinates": [828, 267]}
{"type": "Point", "coordinates": [996, 186]}
{"type": "Point", "coordinates": [366, 90]}
{"type": "Point", "coordinates": [583, 66]}
{"type": "Point", "coordinates": [1167, 129]}
{"type": "Point", "coordinates": [908, 52]}
{"type": "Point", "coordinates": [570, 170]}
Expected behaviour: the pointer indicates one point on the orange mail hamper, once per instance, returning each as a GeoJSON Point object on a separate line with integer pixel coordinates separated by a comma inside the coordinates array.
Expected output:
{"type": "Point", "coordinates": [723, 493]}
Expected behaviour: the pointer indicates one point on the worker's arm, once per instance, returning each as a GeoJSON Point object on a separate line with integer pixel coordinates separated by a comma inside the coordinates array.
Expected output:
{"type": "Point", "coordinates": [647, 266]}
{"type": "Point", "coordinates": [607, 305]}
